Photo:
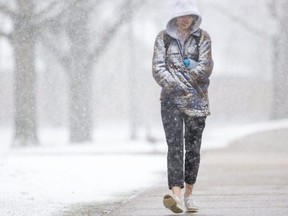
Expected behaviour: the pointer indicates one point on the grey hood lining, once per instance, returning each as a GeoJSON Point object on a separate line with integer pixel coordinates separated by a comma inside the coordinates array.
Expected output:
{"type": "Point", "coordinates": [183, 8]}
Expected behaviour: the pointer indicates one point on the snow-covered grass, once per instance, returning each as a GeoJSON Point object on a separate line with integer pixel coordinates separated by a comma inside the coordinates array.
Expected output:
{"type": "Point", "coordinates": [56, 174]}
{"type": "Point", "coordinates": [220, 136]}
{"type": "Point", "coordinates": [41, 180]}
{"type": "Point", "coordinates": [77, 178]}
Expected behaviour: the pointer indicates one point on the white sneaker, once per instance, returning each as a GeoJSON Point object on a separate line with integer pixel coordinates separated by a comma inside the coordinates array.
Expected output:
{"type": "Point", "coordinates": [173, 203]}
{"type": "Point", "coordinates": [190, 204]}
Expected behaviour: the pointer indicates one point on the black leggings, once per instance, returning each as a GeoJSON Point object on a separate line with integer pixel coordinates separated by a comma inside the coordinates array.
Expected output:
{"type": "Point", "coordinates": [173, 120]}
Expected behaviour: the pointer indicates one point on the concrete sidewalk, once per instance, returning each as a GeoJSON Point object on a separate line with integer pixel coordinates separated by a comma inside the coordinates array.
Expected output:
{"type": "Point", "coordinates": [243, 179]}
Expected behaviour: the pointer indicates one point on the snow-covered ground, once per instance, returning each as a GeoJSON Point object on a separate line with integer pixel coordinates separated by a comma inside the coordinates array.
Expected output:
{"type": "Point", "coordinates": [60, 180]}
{"type": "Point", "coordinates": [219, 136]}
{"type": "Point", "coordinates": [41, 180]}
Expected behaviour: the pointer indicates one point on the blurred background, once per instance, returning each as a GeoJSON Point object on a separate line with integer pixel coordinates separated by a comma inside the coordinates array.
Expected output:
{"type": "Point", "coordinates": [76, 70]}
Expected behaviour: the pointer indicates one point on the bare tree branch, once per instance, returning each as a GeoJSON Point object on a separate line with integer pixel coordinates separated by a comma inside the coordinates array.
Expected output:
{"type": "Point", "coordinates": [242, 22]}
{"type": "Point", "coordinates": [46, 11]}
{"type": "Point", "coordinates": [94, 3]}
{"type": "Point", "coordinates": [3, 34]}
{"type": "Point", "coordinates": [41, 21]}
{"type": "Point", "coordinates": [48, 22]}
{"type": "Point", "coordinates": [126, 15]}
{"type": "Point", "coordinates": [4, 9]}
{"type": "Point", "coordinates": [53, 48]}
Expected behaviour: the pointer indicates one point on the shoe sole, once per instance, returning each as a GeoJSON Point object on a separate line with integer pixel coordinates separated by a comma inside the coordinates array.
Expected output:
{"type": "Point", "coordinates": [170, 203]}
{"type": "Point", "coordinates": [192, 210]}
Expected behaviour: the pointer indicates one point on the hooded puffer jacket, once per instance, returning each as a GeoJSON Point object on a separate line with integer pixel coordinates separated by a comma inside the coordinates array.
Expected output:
{"type": "Point", "coordinates": [187, 88]}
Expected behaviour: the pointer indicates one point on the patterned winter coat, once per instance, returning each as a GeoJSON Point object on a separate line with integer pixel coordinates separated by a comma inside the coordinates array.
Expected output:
{"type": "Point", "coordinates": [186, 87]}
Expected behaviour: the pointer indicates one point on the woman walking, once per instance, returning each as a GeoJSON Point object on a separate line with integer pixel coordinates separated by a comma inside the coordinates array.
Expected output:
{"type": "Point", "coordinates": [182, 64]}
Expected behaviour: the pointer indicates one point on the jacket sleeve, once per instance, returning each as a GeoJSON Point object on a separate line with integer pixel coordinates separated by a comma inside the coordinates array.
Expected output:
{"type": "Point", "coordinates": [159, 69]}
{"type": "Point", "coordinates": [205, 64]}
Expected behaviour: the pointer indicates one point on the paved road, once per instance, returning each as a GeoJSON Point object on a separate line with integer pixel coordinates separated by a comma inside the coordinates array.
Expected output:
{"type": "Point", "coordinates": [249, 178]}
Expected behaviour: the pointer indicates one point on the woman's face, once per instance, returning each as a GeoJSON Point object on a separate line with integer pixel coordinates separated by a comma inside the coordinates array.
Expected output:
{"type": "Point", "coordinates": [184, 22]}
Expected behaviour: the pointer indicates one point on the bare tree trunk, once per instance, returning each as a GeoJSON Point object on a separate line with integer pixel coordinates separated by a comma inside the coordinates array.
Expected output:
{"type": "Point", "coordinates": [284, 61]}
{"type": "Point", "coordinates": [23, 39]}
{"type": "Point", "coordinates": [79, 60]}
{"type": "Point", "coordinates": [81, 116]}
{"type": "Point", "coordinates": [132, 76]}
{"type": "Point", "coordinates": [280, 73]}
